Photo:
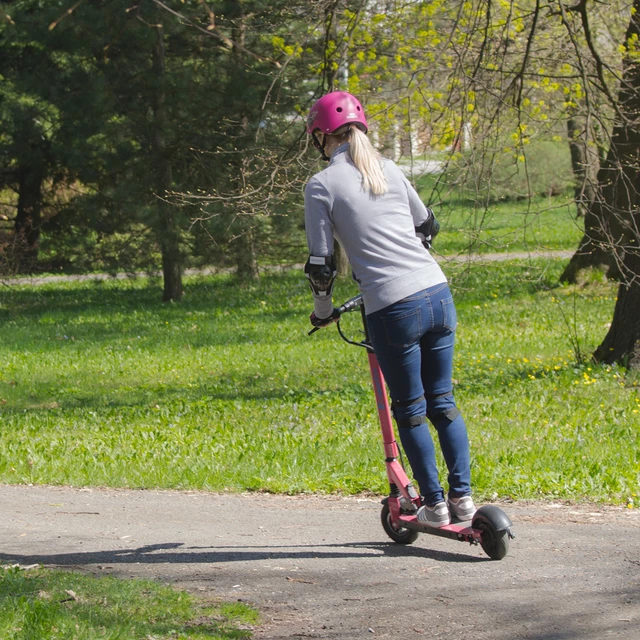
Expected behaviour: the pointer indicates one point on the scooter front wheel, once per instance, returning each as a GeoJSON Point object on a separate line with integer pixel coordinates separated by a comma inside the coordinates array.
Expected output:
{"type": "Point", "coordinates": [401, 535]}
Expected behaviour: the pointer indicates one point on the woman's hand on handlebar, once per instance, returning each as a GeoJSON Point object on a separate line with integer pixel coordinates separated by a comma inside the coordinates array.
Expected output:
{"type": "Point", "coordinates": [319, 323]}
{"type": "Point", "coordinates": [350, 305]}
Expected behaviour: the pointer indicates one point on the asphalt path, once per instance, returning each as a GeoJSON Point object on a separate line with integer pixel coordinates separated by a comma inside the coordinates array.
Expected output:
{"type": "Point", "coordinates": [322, 567]}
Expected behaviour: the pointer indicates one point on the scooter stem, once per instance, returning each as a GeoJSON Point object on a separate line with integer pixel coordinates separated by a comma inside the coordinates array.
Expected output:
{"type": "Point", "coordinates": [382, 403]}
{"type": "Point", "coordinates": [398, 479]}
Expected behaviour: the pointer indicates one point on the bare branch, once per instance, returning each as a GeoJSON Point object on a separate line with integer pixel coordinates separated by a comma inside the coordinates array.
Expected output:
{"type": "Point", "coordinates": [68, 12]}
{"type": "Point", "coordinates": [213, 31]}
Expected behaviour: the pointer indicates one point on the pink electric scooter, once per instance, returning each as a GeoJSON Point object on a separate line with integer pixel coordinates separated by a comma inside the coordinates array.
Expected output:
{"type": "Point", "coordinates": [490, 527]}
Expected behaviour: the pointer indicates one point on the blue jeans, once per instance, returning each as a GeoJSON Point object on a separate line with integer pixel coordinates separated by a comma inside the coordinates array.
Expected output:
{"type": "Point", "coordinates": [413, 340]}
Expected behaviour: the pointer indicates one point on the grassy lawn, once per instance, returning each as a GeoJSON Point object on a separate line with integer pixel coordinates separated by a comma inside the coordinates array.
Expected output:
{"type": "Point", "coordinates": [44, 605]}
{"type": "Point", "coordinates": [539, 224]}
{"type": "Point", "coordinates": [101, 384]}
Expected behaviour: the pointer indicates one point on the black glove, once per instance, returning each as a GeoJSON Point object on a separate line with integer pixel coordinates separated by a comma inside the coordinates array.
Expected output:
{"type": "Point", "coordinates": [428, 230]}
{"type": "Point", "coordinates": [324, 322]}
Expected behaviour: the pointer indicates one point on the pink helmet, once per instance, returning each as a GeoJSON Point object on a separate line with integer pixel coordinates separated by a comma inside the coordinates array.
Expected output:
{"type": "Point", "coordinates": [334, 111]}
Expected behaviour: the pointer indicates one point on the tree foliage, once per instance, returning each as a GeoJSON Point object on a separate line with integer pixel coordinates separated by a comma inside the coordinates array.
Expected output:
{"type": "Point", "coordinates": [171, 132]}
{"type": "Point", "coordinates": [165, 102]}
{"type": "Point", "coordinates": [489, 81]}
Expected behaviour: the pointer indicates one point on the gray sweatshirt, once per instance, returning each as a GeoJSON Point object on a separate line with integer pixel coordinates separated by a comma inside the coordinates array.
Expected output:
{"type": "Point", "coordinates": [388, 260]}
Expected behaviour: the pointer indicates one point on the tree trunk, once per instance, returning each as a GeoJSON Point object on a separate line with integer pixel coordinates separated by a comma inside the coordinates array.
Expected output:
{"type": "Point", "coordinates": [622, 342]}
{"type": "Point", "coordinates": [582, 168]}
{"type": "Point", "coordinates": [245, 246]}
{"type": "Point", "coordinates": [594, 250]}
{"type": "Point", "coordinates": [606, 203]}
{"type": "Point", "coordinates": [609, 213]}
{"type": "Point", "coordinates": [28, 219]}
{"type": "Point", "coordinates": [619, 181]}
{"type": "Point", "coordinates": [336, 63]}
{"type": "Point", "coordinates": [167, 227]}
{"type": "Point", "coordinates": [246, 261]}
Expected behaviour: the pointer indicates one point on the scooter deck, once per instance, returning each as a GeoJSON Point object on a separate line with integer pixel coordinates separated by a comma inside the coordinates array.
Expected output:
{"type": "Point", "coordinates": [457, 531]}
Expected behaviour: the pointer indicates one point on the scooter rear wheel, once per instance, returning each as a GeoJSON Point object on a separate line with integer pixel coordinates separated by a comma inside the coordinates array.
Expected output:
{"type": "Point", "coordinates": [397, 534]}
{"type": "Point", "coordinates": [495, 528]}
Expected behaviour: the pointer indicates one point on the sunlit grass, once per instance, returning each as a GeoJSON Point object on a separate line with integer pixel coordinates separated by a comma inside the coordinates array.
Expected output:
{"type": "Point", "coordinates": [541, 225]}
{"type": "Point", "coordinates": [501, 225]}
{"type": "Point", "coordinates": [101, 384]}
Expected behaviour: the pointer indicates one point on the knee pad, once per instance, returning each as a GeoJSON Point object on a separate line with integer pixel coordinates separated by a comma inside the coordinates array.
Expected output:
{"type": "Point", "coordinates": [409, 421]}
{"type": "Point", "coordinates": [438, 416]}
{"type": "Point", "coordinates": [444, 418]}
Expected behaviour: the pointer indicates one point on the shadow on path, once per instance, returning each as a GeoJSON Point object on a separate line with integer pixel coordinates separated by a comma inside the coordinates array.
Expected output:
{"type": "Point", "coordinates": [153, 554]}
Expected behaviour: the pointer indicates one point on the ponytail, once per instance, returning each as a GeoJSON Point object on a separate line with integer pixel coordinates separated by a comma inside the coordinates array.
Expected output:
{"type": "Point", "coordinates": [367, 161]}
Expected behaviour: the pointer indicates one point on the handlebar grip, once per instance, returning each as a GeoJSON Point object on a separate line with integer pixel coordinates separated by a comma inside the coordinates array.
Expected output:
{"type": "Point", "coordinates": [351, 305]}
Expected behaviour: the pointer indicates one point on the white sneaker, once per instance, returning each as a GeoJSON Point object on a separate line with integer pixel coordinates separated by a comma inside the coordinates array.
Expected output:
{"type": "Point", "coordinates": [462, 508]}
{"type": "Point", "coordinates": [436, 516]}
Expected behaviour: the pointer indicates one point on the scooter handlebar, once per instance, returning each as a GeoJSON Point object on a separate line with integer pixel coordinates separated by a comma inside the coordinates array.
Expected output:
{"type": "Point", "coordinates": [350, 305]}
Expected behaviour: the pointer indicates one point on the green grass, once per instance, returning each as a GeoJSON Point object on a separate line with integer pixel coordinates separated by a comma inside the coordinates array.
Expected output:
{"type": "Point", "coordinates": [38, 604]}
{"type": "Point", "coordinates": [540, 224]}
{"type": "Point", "coordinates": [101, 384]}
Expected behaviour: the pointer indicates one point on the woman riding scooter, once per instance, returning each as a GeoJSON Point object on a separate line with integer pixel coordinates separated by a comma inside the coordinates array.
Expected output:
{"type": "Point", "coordinates": [366, 202]}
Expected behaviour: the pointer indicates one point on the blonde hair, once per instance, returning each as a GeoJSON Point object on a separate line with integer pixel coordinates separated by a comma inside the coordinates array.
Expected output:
{"type": "Point", "coordinates": [366, 159]}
